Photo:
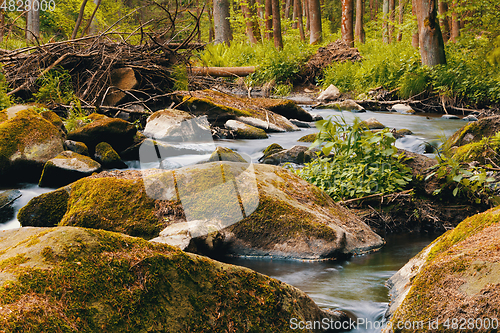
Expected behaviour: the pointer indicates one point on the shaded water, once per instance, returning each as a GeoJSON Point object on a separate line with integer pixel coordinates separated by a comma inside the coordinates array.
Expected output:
{"type": "Point", "coordinates": [355, 286]}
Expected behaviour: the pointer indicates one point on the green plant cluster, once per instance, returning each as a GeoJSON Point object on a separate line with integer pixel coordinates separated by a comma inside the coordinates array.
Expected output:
{"type": "Point", "coordinates": [357, 162]}
{"type": "Point", "coordinates": [5, 101]}
{"type": "Point", "coordinates": [55, 87]}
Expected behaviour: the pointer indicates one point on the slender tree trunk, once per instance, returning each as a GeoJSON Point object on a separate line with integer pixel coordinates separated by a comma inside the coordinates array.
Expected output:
{"type": "Point", "coordinates": [308, 17]}
{"type": "Point", "coordinates": [385, 23]}
{"type": "Point", "coordinates": [431, 39]}
{"type": "Point", "coordinates": [33, 25]}
{"type": "Point", "coordinates": [2, 25]}
{"type": "Point", "coordinates": [392, 18]}
{"type": "Point", "coordinates": [373, 14]}
{"type": "Point", "coordinates": [223, 33]}
{"type": "Point", "coordinates": [288, 5]}
{"type": "Point", "coordinates": [297, 9]}
{"type": "Point", "coordinates": [91, 26]}
{"type": "Point", "coordinates": [79, 19]}
{"type": "Point", "coordinates": [455, 23]}
{"type": "Point", "coordinates": [316, 31]}
{"type": "Point", "coordinates": [360, 13]}
{"type": "Point", "coordinates": [278, 41]}
{"type": "Point", "coordinates": [246, 9]}
{"type": "Point", "coordinates": [269, 19]}
{"type": "Point", "coordinates": [444, 22]}
{"type": "Point", "coordinates": [402, 4]}
{"type": "Point", "coordinates": [347, 22]}
{"type": "Point", "coordinates": [211, 32]}
{"type": "Point", "coordinates": [415, 37]}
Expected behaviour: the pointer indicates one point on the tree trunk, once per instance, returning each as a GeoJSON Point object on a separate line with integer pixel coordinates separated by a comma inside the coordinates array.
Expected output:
{"type": "Point", "coordinates": [222, 25]}
{"type": "Point", "coordinates": [392, 18]}
{"type": "Point", "coordinates": [269, 19]}
{"type": "Point", "coordinates": [2, 25]}
{"type": "Point", "coordinates": [33, 25]}
{"type": "Point", "coordinates": [373, 13]}
{"type": "Point", "coordinates": [444, 21]}
{"type": "Point", "coordinates": [431, 40]}
{"type": "Point", "coordinates": [211, 32]}
{"type": "Point", "coordinates": [385, 22]}
{"type": "Point", "coordinates": [308, 17]}
{"type": "Point", "coordinates": [79, 19]}
{"type": "Point", "coordinates": [455, 23]}
{"type": "Point", "coordinates": [278, 41]}
{"type": "Point", "coordinates": [297, 9]}
{"type": "Point", "coordinates": [415, 37]}
{"type": "Point", "coordinates": [360, 13]}
{"type": "Point", "coordinates": [347, 22]}
{"type": "Point", "coordinates": [91, 26]}
{"type": "Point", "coordinates": [288, 5]}
{"type": "Point", "coordinates": [402, 4]}
{"type": "Point", "coordinates": [316, 31]}
{"type": "Point", "coordinates": [246, 9]}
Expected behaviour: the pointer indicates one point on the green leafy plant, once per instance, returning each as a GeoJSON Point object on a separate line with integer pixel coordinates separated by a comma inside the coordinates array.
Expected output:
{"type": "Point", "coordinates": [55, 87]}
{"type": "Point", "coordinates": [77, 117]}
{"type": "Point", "coordinates": [5, 101]}
{"type": "Point", "coordinates": [357, 162]}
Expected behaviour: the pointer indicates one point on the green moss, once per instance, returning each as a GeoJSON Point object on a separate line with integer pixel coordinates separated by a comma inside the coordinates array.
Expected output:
{"type": "Point", "coordinates": [271, 149]}
{"type": "Point", "coordinates": [113, 204]}
{"type": "Point", "coordinates": [53, 118]}
{"type": "Point", "coordinates": [482, 151]}
{"type": "Point", "coordinates": [11, 263]}
{"type": "Point", "coordinates": [225, 154]}
{"type": "Point", "coordinates": [308, 138]}
{"type": "Point", "coordinates": [201, 105]}
{"type": "Point", "coordinates": [45, 210]}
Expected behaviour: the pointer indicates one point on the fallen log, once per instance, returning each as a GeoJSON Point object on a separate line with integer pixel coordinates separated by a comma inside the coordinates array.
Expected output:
{"type": "Point", "coordinates": [221, 71]}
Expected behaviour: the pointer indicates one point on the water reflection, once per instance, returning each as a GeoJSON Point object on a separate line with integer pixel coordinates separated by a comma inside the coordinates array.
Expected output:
{"type": "Point", "coordinates": [356, 286]}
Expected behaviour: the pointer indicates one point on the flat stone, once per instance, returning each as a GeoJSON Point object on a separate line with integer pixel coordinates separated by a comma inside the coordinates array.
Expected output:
{"type": "Point", "coordinates": [449, 116]}
{"type": "Point", "coordinates": [267, 127]}
{"type": "Point", "coordinates": [244, 131]}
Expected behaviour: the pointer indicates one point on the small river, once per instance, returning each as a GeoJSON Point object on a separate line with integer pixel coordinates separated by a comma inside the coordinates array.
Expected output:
{"type": "Point", "coordinates": [357, 285]}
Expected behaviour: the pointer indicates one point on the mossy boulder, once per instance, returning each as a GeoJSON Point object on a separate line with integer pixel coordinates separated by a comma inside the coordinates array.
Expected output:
{"type": "Point", "coordinates": [220, 107]}
{"type": "Point", "coordinates": [400, 133]}
{"type": "Point", "coordinates": [347, 105]}
{"type": "Point", "coordinates": [27, 141]}
{"type": "Point", "coordinates": [68, 279]}
{"type": "Point", "coordinates": [166, 124]}
{"type": "Point", "coordinates": [372, 123]}
{"type": "Point", "coordinates": [77, 147]}
{"type": "Point", "coordinates": [285, 216]}
{"type": "Point", "coordinates": [108, 157]}
{"type": "Point", "coordinates": [54, 119]}
{"type": "Point", "coordinates": [117, 132]}
{"type": "Point", "coordinates": [308, 138]}
{"type": "Point", "coordinates": [296, 154]}
{"type": "Point", "coordinates": [244, 131]}
{"type": "Point", "coordinates": [455, 277]}
{"type": "Point", "coordinates": [474, 132]}
{"type": "Point", "coordinates": [66, 168]}
{"type": "Point", "coordinates": [225, 154]}
{"type": "Point", "coordinates": [45, 210]}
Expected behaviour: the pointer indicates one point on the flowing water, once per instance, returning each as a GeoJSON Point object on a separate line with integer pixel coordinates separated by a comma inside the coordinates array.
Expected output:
{"type": "Point", "coordinates": [357, 285]}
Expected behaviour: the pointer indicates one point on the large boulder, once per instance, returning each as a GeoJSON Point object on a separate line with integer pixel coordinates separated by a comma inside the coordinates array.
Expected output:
{"type": "Point", "coordinates": [117, 132]}
{"type": "Point", "coordinates": [108, 157]}
{"type": "Point", "coordinates": [66, 168]}
{"type": "Point", "coordinates": [474, 132]}
{"type": "Point", "coordinates": [167, 124]}
{"type": "Point", "coordinates": [220, 107]}
{"type": "Point", "coordinates": [454, 279]}
{"type": "Point", "coordinates": [329, 94]}
{"type": "Point", "coordinates": [122, 79]}
{"type": "Point", "coordinates": [70, 279]}
{"type": "Point", "coordinates": [27, 141]}
{"type": "Point", "coordinates": [253, 209]}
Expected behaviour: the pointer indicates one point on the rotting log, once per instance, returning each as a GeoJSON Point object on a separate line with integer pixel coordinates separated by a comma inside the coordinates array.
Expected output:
{"type": "Point", "coordinates": [222, 71]}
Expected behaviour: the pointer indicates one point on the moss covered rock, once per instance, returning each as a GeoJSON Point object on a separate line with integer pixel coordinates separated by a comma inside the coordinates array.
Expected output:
{"type": "Point", "coordinates": [27, 141]}
{"type": "Point", "coordinates": [296, 154]}
{"type": "Point", "coordinates": [54, 119]}
{"type": "Point", "coordinates": [285, 216]}
{"type": "Point", "coordinates": [348, 105]}
{"type": "Point", "coordinates": [77, 147]}
{"type": "Point", "coordinates": [455, 277]}
{"type": "Point", "coordinates": [45, 210]}
{"type": "Point", "coordinates": [225, 154]}
{"type": "Point", "coordinates": [117, 132]}
{"type": "Point", "coordinates": [108, 157]}
{"type": "Point", "coordinates": [70, 279]}
{"type": "Point", "coordinates": [474, 132]}
{"type": "Point", "coordinates": [220, 107]}
{"type": "Point", "coordinates": [308, 138]}
{"type": "Point", "coordinates": [66, 168]}
{"type": "Point", "coordinates": [244, 131]}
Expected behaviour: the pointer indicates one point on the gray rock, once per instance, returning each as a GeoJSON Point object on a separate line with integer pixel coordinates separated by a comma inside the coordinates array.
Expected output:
{"type": "Point", "coordinates": [267, 127]}
{"type": "Point", "coordinates": [449, 116]}
{"type": "Point", "coordinates": [302, 124]}
{"type": "Point", "coordinates": [470, 118]}
{"type": "Point", "coordinates": [77, 147]}
{"type": "Point", "coordinates": [166, 124]}
{"type": "Point", "coordinates": [244, 131]}
{"type": "Point", "coordinates": [329, 94]}
{"type": "Point", "coordinates": [8, 197]}
{"type": "Point", "coordinates": [402, 108]}
{"type": "Point", "coordinates": [373, 123]}
{"type": "Point", "coordinates": [296, 154]}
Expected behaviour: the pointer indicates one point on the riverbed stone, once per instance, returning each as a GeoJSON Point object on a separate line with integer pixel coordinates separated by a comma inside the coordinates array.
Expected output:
{"type": "Point", "coordinates": [347, 105]}
{"type": "Point", "coordinates": [225, 154]}
{"type": "Point", "coordinates": [474, 131]}
{"type": "Point", "coordinates": [308, 138]}
{"type": "Point", "coordinates": [400, 133]}
{"type": "Point", "coordinates": [166, 124]}
{"type": "Point", "coordinates": [66, 168]}
{"type": "Point", "coordinates": [402, 108]}
{"type": "Point", "coordinates": [373, 124]}
{"type": "Point", "coordinates": [220, 107]}
{"type": "Point", "coordinates": [244, 131]}
{"type": "Point", "coordinates": [450, 117]}
{"type": "Point", "coordinates": [108, 157]}
{"type": "Point", "coordinates": [75, 279]}
{"type": "Point", "coordinates": [77, 147]}
{"type": "Point", "coordinates": [285, 216]}
{"type": "Point", "coordinates": [117, 132]}
{"type": "Point", "coordinates": [296, 154]}
{"type": "Point", "coordinates": [456, 276]}
{"type": "Point", "coordinates": [54, 119]}
{"type": "Point", "coordinates": [329, 94]}
{"type": "Point", "coordinates": [27, 141]}
{"type": "Point", "coordinates": [266, 126]}
{"type": "Point", "coordinates": [8, 197]}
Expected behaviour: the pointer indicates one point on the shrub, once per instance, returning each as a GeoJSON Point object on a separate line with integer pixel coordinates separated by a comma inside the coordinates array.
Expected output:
{"type": "Point", "coordinates": [55, 87]}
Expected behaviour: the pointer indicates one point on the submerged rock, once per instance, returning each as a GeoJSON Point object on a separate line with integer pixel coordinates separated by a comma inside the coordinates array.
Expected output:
{"type": "Point", "coordinates": [455, 277]}
{"type": "Point", "coordinates": [253, 209]}
{"type": "Point", "coordinates": [66, 168]}
{"type": "Point", "coordinates": [27, 141]}
{"type": "Point", "coordinates": [82, 280]}
{"type": "Point", "coordinates": [244, 131]}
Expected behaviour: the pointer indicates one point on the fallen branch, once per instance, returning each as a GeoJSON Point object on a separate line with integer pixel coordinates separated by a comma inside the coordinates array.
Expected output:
{"type": "Point", "coordinates": [222, 71]}
{"type": "Point", "coordinates": [378, 195]}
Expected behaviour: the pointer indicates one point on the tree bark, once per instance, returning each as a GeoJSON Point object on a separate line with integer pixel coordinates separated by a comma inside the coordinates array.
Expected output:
{"type": "Point", "coordinates": [373, 13]}
{"type": "Point", "coordinates": [316, 31]}
{"type": "Point", "coordinates": [223, 33]}
{"type": "Point", "coordinates": [415, 37]}
{"type": "Point", "coordinates": [2, 25]}
{"type": "Point", "coordinates": [444, 21]}
{"type": "Point", "coordinates": [431, 39]}
{"type": "Point", "coordinates": [392, 18]}
{"type": "Point", "coordinates": [308, 17]}
{"type": "Point", "coordinates": [347, 22]}
{"type": "Point", "coordinates": [385, 22]}
{"type": "Point", "coordinates": [246, 9]}
{"type": "Point", "coordinates": [402, 4]}
{"type": "Point", "coordinates": [269, 19]}
{"type": "Point", "coordinates": [211, 32]}
{"type": "Point", "coordinates": [79, 19]}
{"type": "Point", "coordinates": [360, 13]}
{"type": "Point", "coordinates": [455, 23]}
{"type": "Point", "coordinates": [278, 41]}
{"type": "Point", "coordinates": [288, 5]}
{"type": "Point", "coordinates": [297, 9]}
{"type": "Point", "coordinates": [33, 25]}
